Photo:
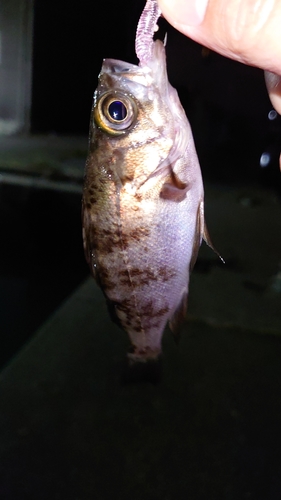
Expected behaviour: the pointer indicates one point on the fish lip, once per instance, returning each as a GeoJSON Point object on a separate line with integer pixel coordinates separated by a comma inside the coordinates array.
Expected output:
{"type": "Point", "coordinates": [118, 67]}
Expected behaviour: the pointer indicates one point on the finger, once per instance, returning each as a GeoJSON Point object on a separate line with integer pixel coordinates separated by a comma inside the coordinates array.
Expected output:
{"type": "Point", "coordinates": [245, 30]}
{"type": "Point", "coordinates": [273, 84]}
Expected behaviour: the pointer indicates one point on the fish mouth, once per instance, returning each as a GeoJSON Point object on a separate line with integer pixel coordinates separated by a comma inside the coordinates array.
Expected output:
{"type": "Point", "coordinates": [119, 67]}
{"type": "Point", "coordinates": [153, 74]}
{"type": "Point", "coordinates": [121, 74]}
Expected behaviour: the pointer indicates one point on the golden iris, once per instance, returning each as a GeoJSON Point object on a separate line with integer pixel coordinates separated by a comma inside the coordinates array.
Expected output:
{"type": "Point", "coordinates": [115, 112]}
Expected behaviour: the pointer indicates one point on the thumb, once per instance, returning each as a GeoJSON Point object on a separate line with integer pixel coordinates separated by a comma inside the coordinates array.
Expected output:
{"type": "Point", "coordinates": [245, 30]}
{"type": "Point", "coordinates": [273, 83]}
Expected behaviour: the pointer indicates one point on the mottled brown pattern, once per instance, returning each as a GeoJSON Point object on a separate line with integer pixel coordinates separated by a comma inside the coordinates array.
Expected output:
{"type": "Point", "coordinates": [136, 272]}
{"type": "Point", "coordinates": [166, 274]}
{"type": "Point", "coordinates": [125, 281]}
{"type": "Point", "coordinates": [148, 310]}
{"type": "Point", "coordinates": [138, 233]}
{"type": "Point", "coordinates": [126, 307]}
{"type": "Point", "coordinates": [105, 279]}
{"type": "Point", "coordinates": [137, 329]}
{"type": "Point", "coordinates": [104, 245]}
{"type": "Point", "coordinates": [138, 197]}
{"type": "Point", "coordinates": [134, 235]}
{"type": "Point", "coordinates": [123, 272]}
{"type": "Point", "coordinates": [139, 277]}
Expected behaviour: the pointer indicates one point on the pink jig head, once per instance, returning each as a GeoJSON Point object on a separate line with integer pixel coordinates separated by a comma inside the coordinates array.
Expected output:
{"type": "Point", "coordinates": [146, 28]}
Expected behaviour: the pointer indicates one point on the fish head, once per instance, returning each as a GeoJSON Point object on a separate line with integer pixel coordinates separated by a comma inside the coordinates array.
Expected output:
{"type": "Point", "coordinates": [137, 119]}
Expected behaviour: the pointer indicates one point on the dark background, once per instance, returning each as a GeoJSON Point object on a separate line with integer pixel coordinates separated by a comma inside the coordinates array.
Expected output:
{"type": "Point", "coordinates": [226, 102]}
{"type": "Point", "coordinates": [70, 41]}
{"type": "Point", "coordinates": [69, 429]}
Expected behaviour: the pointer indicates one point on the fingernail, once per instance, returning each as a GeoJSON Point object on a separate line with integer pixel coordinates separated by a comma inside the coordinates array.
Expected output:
{"type": "Point", "coordinates": [193, 12]}
{"type": "Point", "coordinates": [186, 12]}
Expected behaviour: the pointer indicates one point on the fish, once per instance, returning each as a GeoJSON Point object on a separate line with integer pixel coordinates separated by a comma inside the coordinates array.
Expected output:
{"type": "Point", "coordinates": [143, 196]}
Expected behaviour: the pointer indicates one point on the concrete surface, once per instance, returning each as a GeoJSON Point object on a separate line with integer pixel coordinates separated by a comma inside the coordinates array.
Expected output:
{"type": "Point", "coordinates": [70, 428]}
{"type": "Point", "coordinates": [46, 156]}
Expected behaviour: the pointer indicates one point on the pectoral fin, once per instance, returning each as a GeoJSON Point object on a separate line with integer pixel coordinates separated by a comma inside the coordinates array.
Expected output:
{"type": "Point", "coordinates": [174, 189]}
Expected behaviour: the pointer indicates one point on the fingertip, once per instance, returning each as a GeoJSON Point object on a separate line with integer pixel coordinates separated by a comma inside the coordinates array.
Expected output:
{"type": "Point", "coordinates": [273, 84]}
{"type": "Point", "coordinates": [184, 12]}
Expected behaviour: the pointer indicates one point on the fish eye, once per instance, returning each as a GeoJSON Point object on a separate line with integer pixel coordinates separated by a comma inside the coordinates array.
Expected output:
{"type": "Point", "coordinates": [115, 112]}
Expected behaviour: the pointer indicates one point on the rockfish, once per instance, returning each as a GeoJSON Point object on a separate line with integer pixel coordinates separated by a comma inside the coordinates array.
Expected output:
{"type": "Point", "coordinates": [143, 208]}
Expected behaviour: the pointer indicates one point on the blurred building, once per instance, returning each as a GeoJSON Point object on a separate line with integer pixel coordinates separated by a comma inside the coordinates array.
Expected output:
{"type": "Point", "coordinates": [15, 65]}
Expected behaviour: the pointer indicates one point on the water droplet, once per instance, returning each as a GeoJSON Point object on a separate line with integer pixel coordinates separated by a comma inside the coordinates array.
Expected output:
{"type": "Point", "coordinates": [272, 114]}
{"type": "Point", "coordinates": [265, 159]}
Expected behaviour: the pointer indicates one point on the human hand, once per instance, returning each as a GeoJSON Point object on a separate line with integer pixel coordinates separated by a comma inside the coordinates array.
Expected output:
{"type": "Point", "coordinates": [245, 30]}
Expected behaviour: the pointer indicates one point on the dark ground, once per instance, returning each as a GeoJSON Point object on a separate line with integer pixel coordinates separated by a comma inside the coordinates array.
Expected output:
{"type": "Point", "coordinates": [71, 428]}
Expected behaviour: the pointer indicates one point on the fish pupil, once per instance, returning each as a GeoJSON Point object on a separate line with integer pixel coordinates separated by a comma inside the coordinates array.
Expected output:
{"type": "Point", "coordinates": [117, 110]}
